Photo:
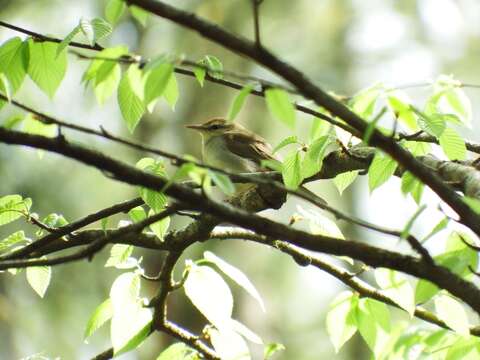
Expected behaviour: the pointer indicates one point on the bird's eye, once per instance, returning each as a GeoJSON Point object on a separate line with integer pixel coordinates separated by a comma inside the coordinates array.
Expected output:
{"type": "Point", "coordinates": [215, 127]}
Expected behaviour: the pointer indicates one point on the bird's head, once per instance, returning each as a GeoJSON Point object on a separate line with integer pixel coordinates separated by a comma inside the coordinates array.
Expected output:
{"type": "Point", "coordinates": [214, 127]}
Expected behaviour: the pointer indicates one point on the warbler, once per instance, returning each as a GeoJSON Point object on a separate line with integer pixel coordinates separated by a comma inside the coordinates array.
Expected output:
{"type": "Point", "coordinates": [230, 146]}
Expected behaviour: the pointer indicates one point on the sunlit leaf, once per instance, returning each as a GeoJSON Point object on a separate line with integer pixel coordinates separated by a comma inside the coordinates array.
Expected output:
{"type": "Point", "coordinates": [271, 349]}
{"type": "Point", "coordinates": [341, 319]}
{"type": "Point", "coordinates": [229, 345]}
{"type": "Point", "coordinates": [157, 81]}
{"type": "Point", "coordinates": [119, 254]}
{"type": "Point", "coordinates": [139, 14]}
{"type": "Point", "coordinates": [114, 10]}
{"type": "Point", "coordinates": [171, 92]}
{"type": "Point", "coordinates": [292, 170]}
{"type": "Point", "coordinates": [285, 142]}
{"type": "Point", "coordinates": [344, 180]}
{"type": "Point", "coordinates": [100, 316]}
{"type": "Point", "coordinates": [131, 96]}
{"type": "Point", "coordinates": [46, 68]}
{"type": "Point", "coordinates": [239, 101]}
{"type": "Point", "coordinates": [452, 312]}
{"type": "Point", "coordinates": [280, 106]}
{"type": "Point", "coordinates": [39, 278]}
{"type": "Point", "coordinates": [396, 287]}
{"type": "Point", "coordinates": [380, 170]}
{"type": "Point", "coordinates": [13, 207]}
{"type": "Point", "coordinates": [453, 145]}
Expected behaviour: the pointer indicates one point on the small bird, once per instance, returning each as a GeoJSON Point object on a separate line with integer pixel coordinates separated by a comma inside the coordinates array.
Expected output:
{"type": "Point", "coordinates": [229, 146]}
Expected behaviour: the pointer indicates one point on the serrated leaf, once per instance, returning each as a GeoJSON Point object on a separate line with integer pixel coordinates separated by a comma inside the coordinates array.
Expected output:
{"type": "Point", "coordinates": [236, 275]}
{"type": "Point", "coordinates": [139, 14]}
{"type": "Point", "coordinates": [344, 180]}
{"type": "Point", "coordinates": [239, 100]}
{"type": "Point", "coordinates": [114, 10]}
{"type": "Point", "coordinates": [341, 319]}
{"type": "Point", "coordinates": [101, 29]}
{"type": "Point", "coordinates": [13, 207]}
{"type": "Point", "coordinates": [222, 181]}
{"type": "Point", "coordinates": [68, 39]}
{"type": "Point", "coordinates": [229, 345]}
{"type": "Point", "coordinates": [100, 316]}
{"type": "Point", "coordinates": [107, 82]}
{"type": "Point", "coordinates": [292, 170]}
{"type": "Point", "coordinates": [380, 170]}
{"type": "Point", "coordinates": [433, 124]}
{"type": "Point", "coordinates": [86, 28]}
{"type": "Point", "coordinates": [137, 214]}
{"type": "Point", "coordinates": [171, 92]}
{"type": "Point", "coordinates": [157, 81]}
{"type": "Point", "coordinates": [95, 66]}
{"type": "Point", "coordinates": [452, 312]}
{"type": "Point", "coordinates": [156, 200]}
{"type": "Point", "coordinates": [119, 254]}
{"type": "Point", "coordinates": [46, 68]}
{"type": "Point", "coordinates": [453, 145]}
{"type": "Point", "coordinates": [280, 106]}
{"type": "Point", "coordinates": [131, 96]}
{"type": "Point", "coordinates": [14, 59]}
{"type": "Point", "coordinates": [39, 278]}
{"type": "Point", "coordinates": [209, 293]}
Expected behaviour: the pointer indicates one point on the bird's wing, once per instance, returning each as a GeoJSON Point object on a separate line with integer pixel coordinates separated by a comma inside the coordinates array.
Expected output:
{"type": "Point", "coordinates": [243, 146]}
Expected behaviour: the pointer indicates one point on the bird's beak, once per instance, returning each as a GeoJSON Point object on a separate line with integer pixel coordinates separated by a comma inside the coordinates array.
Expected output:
{"type": "Point", "coordinates": [194, 127]}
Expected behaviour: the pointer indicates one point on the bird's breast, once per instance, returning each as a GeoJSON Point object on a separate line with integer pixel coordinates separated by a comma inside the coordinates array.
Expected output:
{"type": "Point", "coordinates": [217, 154]}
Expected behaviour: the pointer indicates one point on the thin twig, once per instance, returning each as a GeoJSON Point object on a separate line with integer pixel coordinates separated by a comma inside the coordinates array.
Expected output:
{"type": "Point", "coordinates": [256, 21]}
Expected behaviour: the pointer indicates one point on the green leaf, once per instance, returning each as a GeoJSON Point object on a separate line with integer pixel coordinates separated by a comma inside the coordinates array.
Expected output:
{"type": "Point", "coordinates": [272, 348]}
{"type": "Point", "coordinates": [14, 59]}
{"type": "Point", "coordinates": [442, 224]}
{"type": "Point", "coordinates": [114, 10]}
{"type": "Point", "coordinates": [222, 181]}
{"type": "Point", "coordinates": [373, 321]}
{"type": "Point", "coordinates": [320, 224]}
{"type": "Point", "coordinates": [380, 170]}
{"type": "Point", "coordinates": [411, 185]}
{"type": "Point", "coordinates": [319, 128]}
{"type": "Point", "coordinates": [287, 141]}
{"type": "Point", "coordinates": [5, 88]}
{"type": "Point", "coordinates": [341, 319]}
{"type": "Point", "coordinates": [452, 312]}
{"type": "Point", "coordinates": [453, 145]}
{"type": "Point", "coordinates": [200, 75]}
{"type": "Point", "coordinates": [36, 127]}
{"type": "Point", "coordinates": [137, 214]}
{"type": "Point", "coordinates": [107, 80]}
{"type": "Point", "coordinates": [312, 162]}
{"type": "Point", "coordinates": [39, 278]}
{"type": "Point", "coordinates": [119, 255]}
{"type": "Point", "coordinates": [364, 102]}
{"type": "Point", "coordinates": [239, 101]}
{"type": "Point", "coordinates": [280, 106]}
{"type": "Point", "coordinates": [400, 104]}
{"type": "Point", "coordinates": [160, 227]}
{"type": "Point", "coordinates": [406, 231]}
{"type": "Point", "coordinates": [214, 65]}
{"type": "Point", "coordinates": [157, 81]}
{"type": "Point", "coordinates": [156, 200]}
{"type": "Point", "coordinates": [131, 321]}
{"type": "Point", "coordinates": [68, 39]}
{"type": "Point", "coordinates": [139, 14]}
{"type": "Point", "coordinates": [12, 239]}
{"type": "Point", "coordinates": [177, 351]}
{"type": "Point", "coordinates": [171, 92]}
{"type": "Point", "coordinates": [236, 275]}
{"type": "Point", "coordinates": [432, 124]}
{"type": "Point", "coordinates": [396, 287]}
{"type": "Point", "coordinates": [229, 345]}
{"type": "Point", "coordinates": [292, 171]}
{"type": "Point", "coordinates": [13, 207]}
{"type": "Point", "coordinates": [94, 69]}
{"type": "Point", "coordinates": [131, 96]}
{"type": "Point", "coordinates": [209, 293]}
{"type": "Point", "coordinates": [46, 68]}
{"type": "Point", "coordinates": [101, 29]}
{"type": "Point", "coordinates": [100, 316]}
{"type": "Point", "coordinates": [344, 180]}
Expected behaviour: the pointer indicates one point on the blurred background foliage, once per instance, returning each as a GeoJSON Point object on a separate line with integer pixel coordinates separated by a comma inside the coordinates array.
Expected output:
{"type": "Point", "coordinates": [344, 45]}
